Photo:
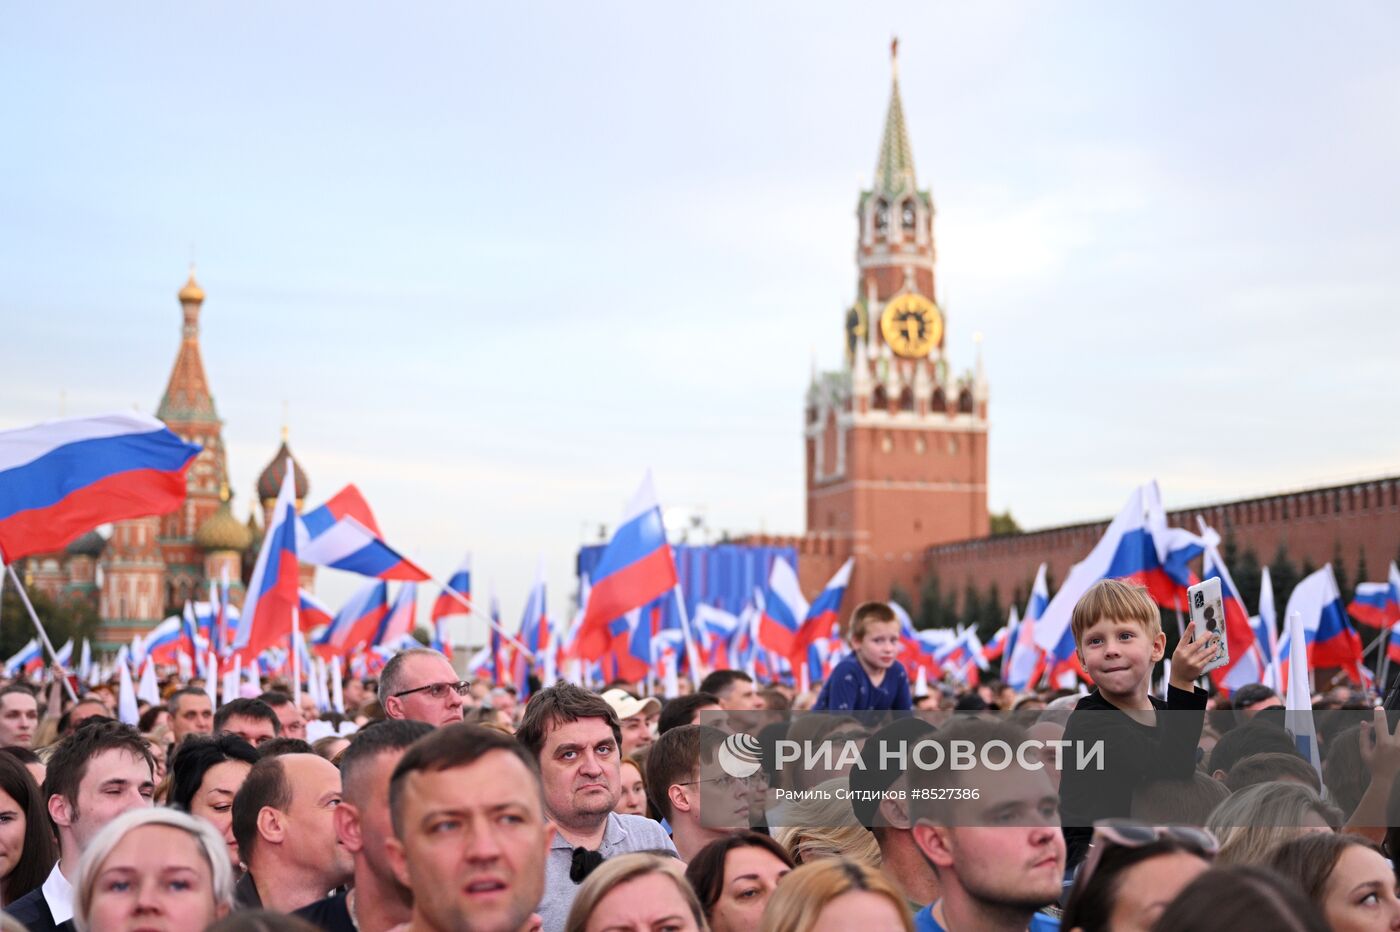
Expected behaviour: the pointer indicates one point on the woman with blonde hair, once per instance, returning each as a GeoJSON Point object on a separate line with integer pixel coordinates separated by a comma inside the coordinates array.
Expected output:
{"type": "Point", "coordinates": [836, 894]}
{"type": "Point", "coordinates": [1250, 824]}
{"type": "Point", "coordinates": [636, 891]}
{"type": "Point", "coordinates": [822, 825]}
{"type": "Point", "coordinates": [153, 868]}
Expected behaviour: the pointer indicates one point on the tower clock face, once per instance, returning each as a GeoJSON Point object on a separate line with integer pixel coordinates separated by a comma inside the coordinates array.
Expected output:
{"type": "Point", "coordinates": [912, 325]}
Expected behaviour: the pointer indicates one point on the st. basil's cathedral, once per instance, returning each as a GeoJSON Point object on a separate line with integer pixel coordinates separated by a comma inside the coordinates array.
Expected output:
{"type": "Point", "coordinates": [149, 567]}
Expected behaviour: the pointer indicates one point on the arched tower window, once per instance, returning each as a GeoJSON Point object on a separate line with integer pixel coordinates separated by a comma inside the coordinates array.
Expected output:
{"type": "Point", "coordinates": [879, 400]}
{"type": "Point", "coordinates": [906, 399]}
{"type": "Point", "coordinates": [939, 401]}
{"type": "Point", "coordinates": [965, 401]}
{"type": "Point", "coordinates": [882, 216]}
{"type": "Point", "coordinates": [907, 215]}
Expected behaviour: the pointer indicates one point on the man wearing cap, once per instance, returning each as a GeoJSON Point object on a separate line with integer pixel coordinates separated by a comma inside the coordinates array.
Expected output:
{"type": "Point", "coordinates": [633, 714]}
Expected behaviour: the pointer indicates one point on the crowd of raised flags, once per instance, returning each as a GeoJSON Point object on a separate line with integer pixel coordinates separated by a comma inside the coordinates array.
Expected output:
{"type": "Point", "coordinates": [61, 479]}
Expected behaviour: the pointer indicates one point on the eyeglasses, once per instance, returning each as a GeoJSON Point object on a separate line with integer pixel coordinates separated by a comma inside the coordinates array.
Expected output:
{"type": "Point", "coordinates": [727, 782]}
{"type": "Point", "coordinates": [1124, 834]}
{"type": "Point", "coordinates": [438, 690]}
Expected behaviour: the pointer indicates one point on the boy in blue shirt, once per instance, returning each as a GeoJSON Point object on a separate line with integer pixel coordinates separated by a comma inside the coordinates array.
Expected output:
{"type": "Point", "coordinates": [871, 676]}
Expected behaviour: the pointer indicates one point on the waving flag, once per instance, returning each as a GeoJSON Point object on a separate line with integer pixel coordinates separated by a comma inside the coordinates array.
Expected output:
{"type": "Point", "coordinates": [716, 629]}
{"type": "Point", "coordinates": [917, 653]}
{"type": "Point", "coordinates": [460, 582]}
{"type": "Point", "coordinates": [1330, 639]}
{"type": "Point", "coordinates": [1377, 605]}
{"type": "Point", "coordinates": [1026, 659]}
{"type": "Point", "coordinates": [313, 612]}
{"type": "Point", "coordinates": [823, 616]}
{"type": "Point", "coordinates": [534, 631]}
{"type": "Point", "coordinates": [1138, 546]}
{"type": "Point", "coordinates": [273, 589]}
{"type": "Point", "coordinates": [995, 649]}
{"type": "Point", "coordinates": [1265, 626]}
{"type": "Point", "coordinates": [347, 503]}
{"type": "Point", "coordinates": [63, 478]}
{"type": "Point", "coordinates": [636, 568]}
{"type": "Point", "coordinates": [29, 658]}
{"type": "Point", "coordinates": [64, 656]}
{"type": "Point", "coordinates": [161, 642]}
{"type": "Point", "coordinates": [402, 617]}
{"type": "Point", "coordinates": [350, 546]}
{"type": "Point", "coordinates": [783, 609]}
{"type": "Point", "coordinates": [357, 621]}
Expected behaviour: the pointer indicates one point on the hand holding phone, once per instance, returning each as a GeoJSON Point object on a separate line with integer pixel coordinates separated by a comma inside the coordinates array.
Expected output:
{"type": "Point", "coordinates": [1208, 617]}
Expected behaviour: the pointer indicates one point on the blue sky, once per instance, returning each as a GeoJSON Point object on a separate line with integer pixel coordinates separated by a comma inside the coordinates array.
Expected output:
{"type": "Point", "coordinates": [498, 261]}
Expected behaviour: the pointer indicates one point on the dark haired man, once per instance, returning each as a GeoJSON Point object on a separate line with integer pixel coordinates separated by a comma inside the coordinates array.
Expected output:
{"type": "Point", "coordinates": [19, 716]}
{"type": "Point", "coordinates": [378, 901]}
{"type": "Point", "coordinates": [251, 719]}
{"type": "Point", "coordinates": [191, 713]}
{"type": "Point", "coordinates": [469, 832]}
{"type": "Point", "coordinates": [288, 715]}
{"type": "Point", "coordinates": [685, 710]}
{"type": "Point", "coordinates": [735, 690]}
{"type": "Point", "coordinates": [698, 810]}
{"type": "Point", "coordinates": [284, 823]}
{"type": "Point", "coordinates": [575, 737]}
{"type": "Point", "coordinates": [95, 774]}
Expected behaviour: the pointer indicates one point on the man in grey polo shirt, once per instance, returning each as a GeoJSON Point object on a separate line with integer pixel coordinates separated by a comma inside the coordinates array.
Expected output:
{"type": "Point", "coordinates": [575, 736]}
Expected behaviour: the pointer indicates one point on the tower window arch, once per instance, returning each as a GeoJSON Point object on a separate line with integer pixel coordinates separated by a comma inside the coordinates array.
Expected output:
{"type": "Point", "coordinates": [965, 401]}
{"type": "Point", "coordinates": [879, 400]}
{"type": "Point", "coordinates": [939, 401]}
{"type": "Point", "coordinates": [906, 399]}
{"type": "Point", "coordinates": [908, 215]}
{"type": "Point", "coordinates": [882, 216]}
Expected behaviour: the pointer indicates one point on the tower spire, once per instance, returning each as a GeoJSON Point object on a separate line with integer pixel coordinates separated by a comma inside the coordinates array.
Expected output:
{"type": "Point", "coordinates": [894, 169]}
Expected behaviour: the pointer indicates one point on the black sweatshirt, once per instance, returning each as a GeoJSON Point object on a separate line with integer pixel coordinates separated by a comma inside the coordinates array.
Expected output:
{"type": "Point", "coordinates": [1134, 756]}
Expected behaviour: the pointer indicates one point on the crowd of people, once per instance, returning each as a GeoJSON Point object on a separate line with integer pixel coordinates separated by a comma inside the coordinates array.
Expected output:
{"type": "Point", "coordinates": [440, 804]}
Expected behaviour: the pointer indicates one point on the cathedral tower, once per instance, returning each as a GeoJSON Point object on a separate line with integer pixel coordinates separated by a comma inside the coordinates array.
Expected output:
{"type": "Point", "coordinates": [896, 445]}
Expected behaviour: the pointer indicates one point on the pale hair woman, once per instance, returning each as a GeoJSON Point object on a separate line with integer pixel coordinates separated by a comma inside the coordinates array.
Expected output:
{"type": "Point", "coordinates": [1250, 824]}
{"type": "Point", "coordinates": [636, 891]}
{"type": "Point", "coordinates": [822, 825]}
{"type": "Point", "coordinates": [836, 894]}
{"type": "Point", "coordinates": [153, 866]}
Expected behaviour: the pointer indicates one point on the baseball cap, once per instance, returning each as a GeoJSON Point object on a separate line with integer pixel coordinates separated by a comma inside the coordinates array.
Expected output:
{"type": "Point", "coordinates": [625, 705]}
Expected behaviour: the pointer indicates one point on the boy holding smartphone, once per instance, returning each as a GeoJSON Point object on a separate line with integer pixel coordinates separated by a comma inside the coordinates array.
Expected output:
{"type": "Point", "coordinates": [1119, 639]}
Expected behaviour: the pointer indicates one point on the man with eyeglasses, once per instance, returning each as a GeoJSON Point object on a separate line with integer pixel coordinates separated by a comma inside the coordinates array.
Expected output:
{"type": "Point", "coordinates": [420, 685]}
{"type": "Point", "coordinates": [575, 736]}
{"type": "Point", "coordinates": [699, 806]}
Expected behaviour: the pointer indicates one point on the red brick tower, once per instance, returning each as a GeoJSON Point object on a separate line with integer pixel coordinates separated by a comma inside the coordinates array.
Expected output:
{"type": "Point", "coordinates": [896, 445]}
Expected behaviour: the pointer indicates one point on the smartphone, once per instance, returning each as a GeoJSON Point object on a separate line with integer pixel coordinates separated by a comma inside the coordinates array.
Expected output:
{"type": "Point", "coordinates": [1208, 613]}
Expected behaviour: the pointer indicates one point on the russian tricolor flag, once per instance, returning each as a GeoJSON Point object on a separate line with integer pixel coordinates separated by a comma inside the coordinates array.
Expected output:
{"type": "Point", "coordinates": [357, 621]}
{"type": "Point", "coordinates": [1377, 605]}
{"type": "Point", "coordinates": [534, 631]}
{"type": "Point", "coordinates": [273, 589]}
{"type": "Point", "coordinates": [460, 582]}
{"type": "Point", "coordinates": [783, 607]}
{"type": "Point", "coordinates": [313, 612]}
{"type": "Point", "coordinates": [29, 658]}
{"type": "Point", "coordinates": [1137, 546]}
{"type": "Point", "coordinates": [1330, 638]}
{"type": "Point", "coordinates": [1026, 660]}
{"type": "Point", "coordinates": [636, 568]}
{"type": "Point", "coordinates": [823, 615]}
{"type": "Point", "coordinates": [60, 479]}
{"type": "Point", "coordinates": [402, 617]}
{"type": "Point", "coordinates": [162, 641]}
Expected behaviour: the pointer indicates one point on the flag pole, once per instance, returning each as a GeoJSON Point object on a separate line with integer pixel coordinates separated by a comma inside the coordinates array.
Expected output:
{"type": "Point", "coordinates": [690, 652]}
{"type": "Point", "coordinates": [489, 620]}
{"type": "Point", "coordinates": [44, 635]}
{"type": "Point", "coordinates": [296, 654]}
